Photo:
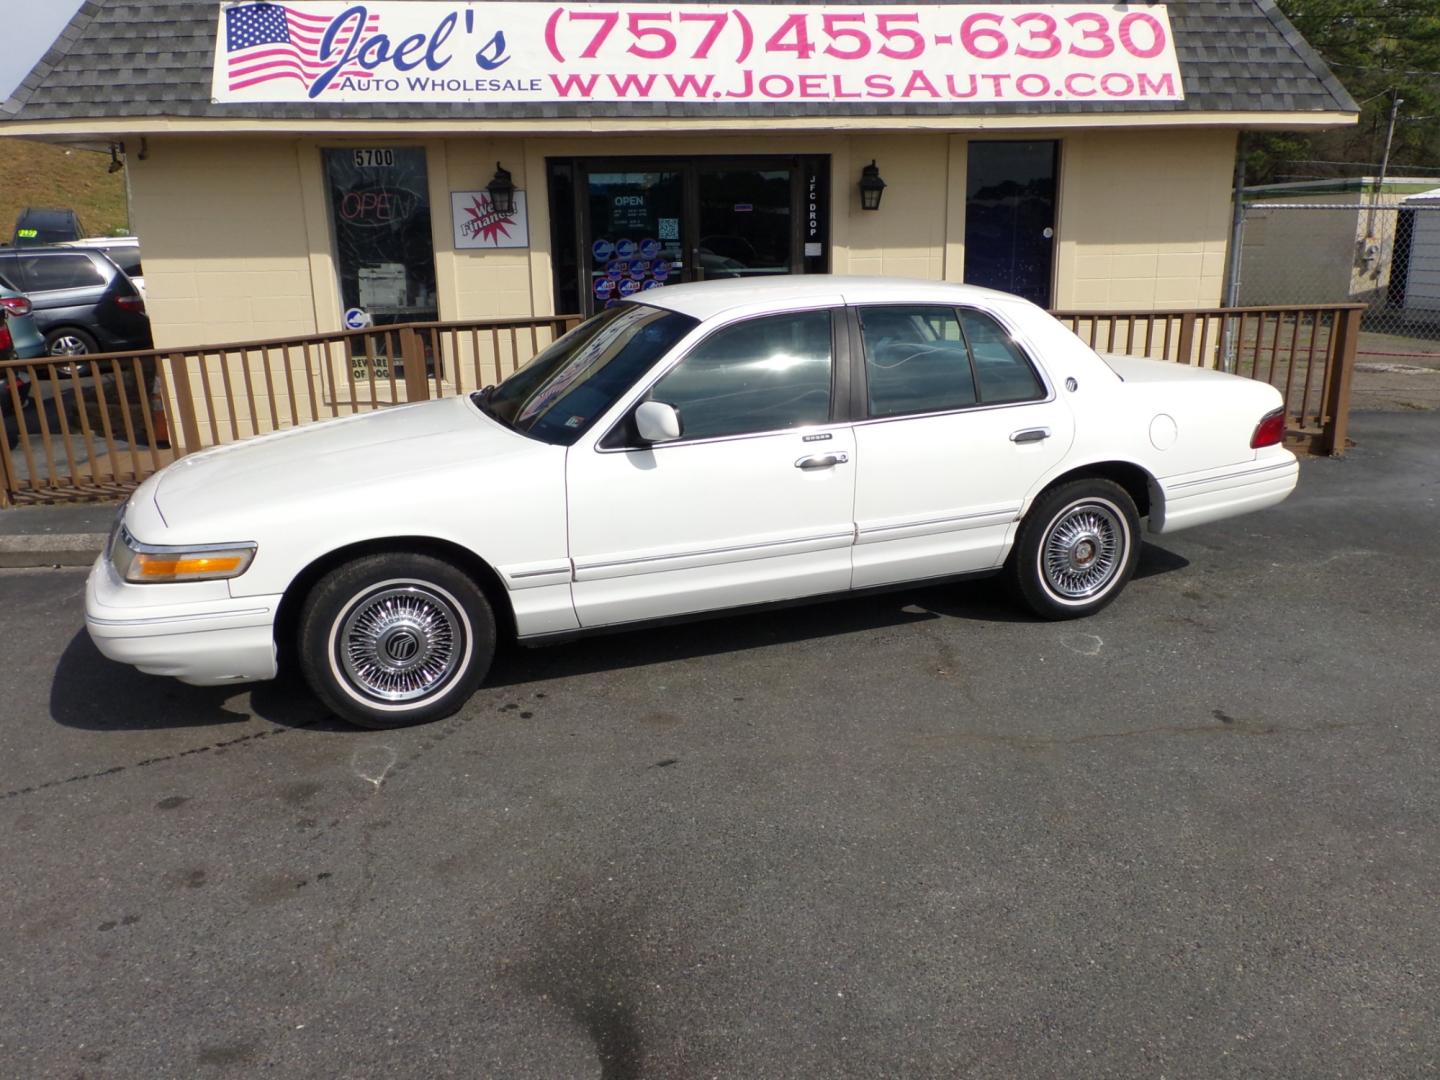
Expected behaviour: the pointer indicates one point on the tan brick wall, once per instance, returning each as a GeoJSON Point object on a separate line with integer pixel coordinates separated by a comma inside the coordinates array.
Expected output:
{"type": "Point", "coordinates": [238, 245]}
{"type": "Point", "coordinates": [224, 236]}
{"type": "Point", "coordinates": [1144, 219]}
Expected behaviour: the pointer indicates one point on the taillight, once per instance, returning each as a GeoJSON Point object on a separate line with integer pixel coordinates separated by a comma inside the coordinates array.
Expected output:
{"type": "Point", "coordinates": [1270, 431]}
{"type": "Point", "coordinates": [5, 339]}
{"type": "Point", "coordinates": [131, 303]}
{"type": "Point", "coordinates": [15, 305]}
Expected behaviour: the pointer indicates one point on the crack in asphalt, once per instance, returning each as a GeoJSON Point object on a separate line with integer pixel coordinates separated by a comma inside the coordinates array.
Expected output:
{"type": "Point", "coordinates": [158, 759]}
{"type": "Point", "coordinates": [1227, 726]}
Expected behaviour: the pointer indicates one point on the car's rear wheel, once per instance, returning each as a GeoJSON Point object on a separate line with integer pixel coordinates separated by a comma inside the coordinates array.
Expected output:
{"type": "Point", "coordinates": [395, 639]}
{"type": "Point", "coordinates": [70, 341]}
{"type": "Point", "coordinates": [1076, 548]}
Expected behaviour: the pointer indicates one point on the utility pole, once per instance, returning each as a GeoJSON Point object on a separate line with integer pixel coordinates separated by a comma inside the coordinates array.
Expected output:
{"type": "Point", "coordinates": [1232, 261]}
{"type": "Point", "coordinates": [1384, 160]}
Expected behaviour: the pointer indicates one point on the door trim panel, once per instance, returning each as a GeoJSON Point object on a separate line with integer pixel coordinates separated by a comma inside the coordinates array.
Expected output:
{"type": "Point", "coordinates": [881, 532]}
{"type": "Point", "coordinates": [599, 570]}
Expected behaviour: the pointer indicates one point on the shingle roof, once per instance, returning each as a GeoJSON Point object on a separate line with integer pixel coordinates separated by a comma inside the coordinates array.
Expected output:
{"type": "Point", "coordinates": [153, 58]}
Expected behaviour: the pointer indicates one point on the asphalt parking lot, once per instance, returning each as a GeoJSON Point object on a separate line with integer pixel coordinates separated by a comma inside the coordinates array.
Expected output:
{"type": "Point", "coordinates": [914, 835]}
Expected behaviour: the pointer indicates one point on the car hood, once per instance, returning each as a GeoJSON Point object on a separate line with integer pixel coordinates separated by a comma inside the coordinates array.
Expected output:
{"type": "Point", "coordinates": [315, 464]}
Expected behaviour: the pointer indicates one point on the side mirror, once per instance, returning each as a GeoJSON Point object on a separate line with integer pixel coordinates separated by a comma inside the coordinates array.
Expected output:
{"type": "Point", "coordinates": [657, 422]}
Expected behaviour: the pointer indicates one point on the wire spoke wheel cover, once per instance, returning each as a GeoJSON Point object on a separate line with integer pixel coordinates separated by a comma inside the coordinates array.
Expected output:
{"type": "Point", "coordinates": [400, 642]}
{"type": "Point", "coordinates": [1076, 548]}
{"type": "Point", "coordinates": [1083, 550]}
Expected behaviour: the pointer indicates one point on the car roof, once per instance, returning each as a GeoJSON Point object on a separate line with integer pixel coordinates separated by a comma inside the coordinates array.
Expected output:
{"type": "Point", "coordinates": [706, 299]}
{"type": "Point", "coordinates": [49, 251]}
{"type": "Point", "coordinates": [102, 242]}
{"type": "Point", "coordinates": [46, 214]}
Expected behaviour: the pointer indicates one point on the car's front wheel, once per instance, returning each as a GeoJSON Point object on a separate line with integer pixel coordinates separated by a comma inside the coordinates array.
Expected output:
{"type": "Point", "coordinates": [1076, 548]}
{"type": "Point", "coordinates": [391, 640]}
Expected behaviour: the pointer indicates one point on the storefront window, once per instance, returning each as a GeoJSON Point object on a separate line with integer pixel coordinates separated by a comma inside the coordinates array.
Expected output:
{"type": "Point", "coordinates": [380, 205]}
{"type": "Point", "coordinates": [621, 226]}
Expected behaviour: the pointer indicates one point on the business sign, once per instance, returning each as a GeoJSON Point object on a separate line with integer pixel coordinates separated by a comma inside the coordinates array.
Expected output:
{"type": "Point", "coordinates": [434, 52]}
{"type": "Point", "coordinates": [477, 225]}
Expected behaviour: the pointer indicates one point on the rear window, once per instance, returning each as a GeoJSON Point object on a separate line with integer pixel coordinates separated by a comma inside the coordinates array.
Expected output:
{"type": "Point", "coordinates": [61, 272]}
{"type": "Point", "coordinates": [128, 259]}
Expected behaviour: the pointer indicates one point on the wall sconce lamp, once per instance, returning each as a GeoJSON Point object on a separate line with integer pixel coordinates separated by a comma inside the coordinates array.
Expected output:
{"type": "Point", "coordinates": [116, 164]}
{"type": "Point", "coordinates": [502, 192]}
{"type": "Point", "coordinates": [871, 187]}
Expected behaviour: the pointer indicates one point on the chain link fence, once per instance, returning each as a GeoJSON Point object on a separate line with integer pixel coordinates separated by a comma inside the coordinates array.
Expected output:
{"type": "Point", "coordinates": [1384, 255]}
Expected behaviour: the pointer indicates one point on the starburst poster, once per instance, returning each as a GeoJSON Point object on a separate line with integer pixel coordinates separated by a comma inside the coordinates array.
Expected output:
{"type": "Point", "coordinates": [477, 225]}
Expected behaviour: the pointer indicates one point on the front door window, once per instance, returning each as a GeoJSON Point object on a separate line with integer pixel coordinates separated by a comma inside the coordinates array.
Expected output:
{"type": "Point", "coordinates": [759, 375]}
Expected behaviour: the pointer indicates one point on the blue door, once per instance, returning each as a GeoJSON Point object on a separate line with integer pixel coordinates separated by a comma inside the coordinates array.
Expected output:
{"type": "Point", "coordinates": [1010, 217]}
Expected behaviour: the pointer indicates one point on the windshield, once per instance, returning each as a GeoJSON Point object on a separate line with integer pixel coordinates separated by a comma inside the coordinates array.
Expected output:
{"type": "Point", "coordinates": [560, 393]}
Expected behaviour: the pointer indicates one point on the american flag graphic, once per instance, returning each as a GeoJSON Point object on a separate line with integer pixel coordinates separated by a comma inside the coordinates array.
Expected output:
{"type": "Point", "coordinates": [264, 42]}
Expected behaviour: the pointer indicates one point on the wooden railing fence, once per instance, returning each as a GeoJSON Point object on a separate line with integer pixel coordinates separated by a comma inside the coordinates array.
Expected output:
{"type": "Point", "coordinates": [1307, 353]}
{"type": "Point", "coordinates": [96, 428]}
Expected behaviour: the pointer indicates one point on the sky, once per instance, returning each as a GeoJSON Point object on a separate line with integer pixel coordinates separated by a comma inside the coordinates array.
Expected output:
{"type": "Point", "coordinates": [30, 28]}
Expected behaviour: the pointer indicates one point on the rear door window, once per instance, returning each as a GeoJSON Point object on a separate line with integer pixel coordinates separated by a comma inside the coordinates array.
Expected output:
{"type": "Point", "coordinates": [915, 360]}
{"type": "Point", "coordinates": [1002, 370]}
{"type": "Point", "coordinates": [60, 272]}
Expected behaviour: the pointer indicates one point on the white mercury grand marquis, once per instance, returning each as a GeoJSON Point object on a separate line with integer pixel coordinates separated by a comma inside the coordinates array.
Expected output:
{"type": "Point", "coordinates": [693, 449]}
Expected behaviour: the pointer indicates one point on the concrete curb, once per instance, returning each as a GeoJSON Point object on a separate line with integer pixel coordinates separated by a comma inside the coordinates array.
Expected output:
{"type": "Point", "coordinates": [50, 549]}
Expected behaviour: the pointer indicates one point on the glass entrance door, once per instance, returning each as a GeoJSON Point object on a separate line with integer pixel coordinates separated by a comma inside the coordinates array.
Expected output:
{"type": "Point", "coordinates": [1010, 217]}
{"type": "Point", "coordinates": [634, 234]}
{"type": "Point", "coordinates": [621, 226]}
{"type": "Point", "coordinates": [746, 222]}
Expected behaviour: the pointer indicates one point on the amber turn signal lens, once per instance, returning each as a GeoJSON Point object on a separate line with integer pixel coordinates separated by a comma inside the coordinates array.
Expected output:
{"type": "Point", "coordinates": [170, 566]}
{"type": "Point", "coordinates": [158, 564]}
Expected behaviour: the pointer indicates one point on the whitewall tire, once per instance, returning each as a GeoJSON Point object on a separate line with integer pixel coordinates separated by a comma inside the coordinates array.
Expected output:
{"type": "Point", "coordinates": [1076, 548]}
{"type": "Point", "coordinates": [395, 639]}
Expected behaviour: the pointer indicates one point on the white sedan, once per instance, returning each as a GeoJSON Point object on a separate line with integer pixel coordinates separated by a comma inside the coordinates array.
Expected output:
{"type": "Point", "coordinates": [695, 449]}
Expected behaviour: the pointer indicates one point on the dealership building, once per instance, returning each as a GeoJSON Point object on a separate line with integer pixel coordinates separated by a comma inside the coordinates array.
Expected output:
{"type": "Point", "coordinates": [296, 169]}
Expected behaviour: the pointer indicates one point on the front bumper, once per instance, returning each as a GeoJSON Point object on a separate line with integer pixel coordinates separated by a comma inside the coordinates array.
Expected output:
{"type": "Point", "coordinates": [197, 632]}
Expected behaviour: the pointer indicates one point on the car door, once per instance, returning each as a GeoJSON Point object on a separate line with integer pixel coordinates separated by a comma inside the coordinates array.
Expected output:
{"type": "Point", "coordinates": [752, 503]}
{"type": "Point", "coordinates": [960, 426]}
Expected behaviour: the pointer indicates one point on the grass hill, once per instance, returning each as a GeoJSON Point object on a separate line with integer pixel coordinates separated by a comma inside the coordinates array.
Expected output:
{"type": "Point", "coordinates": [38, 174]}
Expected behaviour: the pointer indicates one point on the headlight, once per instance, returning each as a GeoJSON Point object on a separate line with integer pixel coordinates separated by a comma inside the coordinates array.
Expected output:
{"type": "Point", "coordinates": [144, 564]}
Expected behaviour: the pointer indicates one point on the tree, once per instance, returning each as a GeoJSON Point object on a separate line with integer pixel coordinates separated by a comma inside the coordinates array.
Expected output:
{"type": "Point", "coordinates": [1380, 50]}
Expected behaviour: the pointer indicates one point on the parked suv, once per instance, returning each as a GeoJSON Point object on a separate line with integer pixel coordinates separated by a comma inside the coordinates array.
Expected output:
{"type": "Point", "coordinates": [83, 302]}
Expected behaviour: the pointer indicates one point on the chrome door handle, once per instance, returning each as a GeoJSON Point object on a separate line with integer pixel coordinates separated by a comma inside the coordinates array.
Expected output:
{"type": "Point", "coordinates": [1034, 434]}
{"type": "Point", "coordinates": [822, 461]}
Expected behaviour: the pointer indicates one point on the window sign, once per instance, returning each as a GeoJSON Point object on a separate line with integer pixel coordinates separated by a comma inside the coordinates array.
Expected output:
{"type": "Point", "coordinates": [478, 226]}
{"type": "Point", "coordinates": [380, 208]}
